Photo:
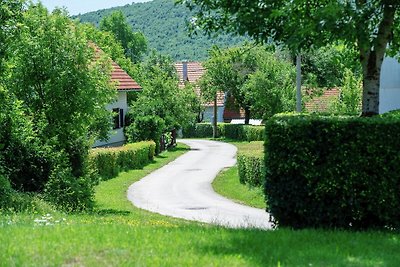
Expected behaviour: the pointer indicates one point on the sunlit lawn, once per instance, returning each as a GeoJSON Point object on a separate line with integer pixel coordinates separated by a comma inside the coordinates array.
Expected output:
{"type": "Point", "coordinates": [118, 234]}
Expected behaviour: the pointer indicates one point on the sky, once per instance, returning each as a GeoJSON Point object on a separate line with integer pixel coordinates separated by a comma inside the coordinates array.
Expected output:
{"type": "Point", "coordinates": [82, 6]}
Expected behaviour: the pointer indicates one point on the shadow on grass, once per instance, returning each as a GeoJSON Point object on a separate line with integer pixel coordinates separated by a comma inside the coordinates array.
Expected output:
{"type": "Point", "coordinates": [307, 247]}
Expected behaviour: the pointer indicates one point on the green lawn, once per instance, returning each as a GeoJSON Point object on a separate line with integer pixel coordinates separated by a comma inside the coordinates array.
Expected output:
{"type": "Point", "coordinates": [227, 182]}
{"type": "Point", "coordinates": [118, 234]}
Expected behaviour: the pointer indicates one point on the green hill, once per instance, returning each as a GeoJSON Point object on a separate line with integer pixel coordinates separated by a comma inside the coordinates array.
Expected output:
{"type": "Point", "coordinates": [164, 25]}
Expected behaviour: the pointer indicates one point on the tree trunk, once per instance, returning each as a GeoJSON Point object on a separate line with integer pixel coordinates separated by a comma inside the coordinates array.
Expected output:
{"type": "Point", "coordinates": [370, 99]}
{"type": "Point", "coordinates": [246, 115]}
{"type": "Point", "coordinates": [371, 58]}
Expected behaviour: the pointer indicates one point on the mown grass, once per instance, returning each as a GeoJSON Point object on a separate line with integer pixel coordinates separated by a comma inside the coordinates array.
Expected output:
{"type": "Point", "coordinates": [227, 184]}
{"type": "Point", "coordinates": [118, 234]}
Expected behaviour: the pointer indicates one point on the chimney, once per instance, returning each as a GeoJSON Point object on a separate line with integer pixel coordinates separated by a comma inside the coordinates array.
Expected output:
{"type": "Point", "coordinates": [185, 71]}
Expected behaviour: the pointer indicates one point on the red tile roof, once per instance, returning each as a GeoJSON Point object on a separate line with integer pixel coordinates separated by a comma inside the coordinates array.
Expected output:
{"type": "Point", "coordinates": [194, 72]}
{"type": "Point", "coordinates": [321, 103]}
{"type": "Point", "coordinates": [123, 80]}
{"type": "Point", "coordinates": [118, 75]}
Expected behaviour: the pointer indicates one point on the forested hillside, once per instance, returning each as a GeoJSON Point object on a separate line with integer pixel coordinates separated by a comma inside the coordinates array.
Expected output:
{"type": "Point", "coordinates": [164, 25]}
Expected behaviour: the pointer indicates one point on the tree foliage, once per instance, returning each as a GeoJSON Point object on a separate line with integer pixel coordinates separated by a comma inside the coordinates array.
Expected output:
{"type": "Point", "coordinates": [10, 13]}
{"type": "Point", "coordinates": [163, 24]}
{"type": "Point", "coordinates": [259, 81]}
{"type": "Point", "coordinates": [60, 89]}
{"type": "Point", "coordinates": [370, 26]}
{"type": "Point", "coordinates": [349, 101]}
{"type": "Point", "coordinates": [134, 43]}
{"type": "Point", "coordinates": [162, 105]}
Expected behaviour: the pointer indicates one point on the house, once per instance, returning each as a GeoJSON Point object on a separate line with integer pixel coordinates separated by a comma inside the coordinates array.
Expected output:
{"type": "Point", "coordinates": [389, 94]}
{"type": "Point", "coordinates": [191, 72]}
{"type": "Point", "coordinates": [321, 103]}
{"type": "Point", "coordinates": [125, 84]}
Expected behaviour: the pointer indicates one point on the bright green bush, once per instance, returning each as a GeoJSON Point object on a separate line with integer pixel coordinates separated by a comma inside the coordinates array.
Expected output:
{"type": "Point", "coordinates": [110, 161]}
{"type": "Point", "coordinates": [251, 168]}
{"type": "Point", "coordinates": [337, 172]}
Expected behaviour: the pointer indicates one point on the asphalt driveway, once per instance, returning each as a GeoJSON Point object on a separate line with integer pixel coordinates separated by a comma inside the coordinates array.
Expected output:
{"type": "Point", "coordinates": [183, 188]}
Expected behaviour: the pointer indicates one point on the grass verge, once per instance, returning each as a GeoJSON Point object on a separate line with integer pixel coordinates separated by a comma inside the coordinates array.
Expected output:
{"type": "Point", "coordinates": [118, 234]}
{"type": "Point", "coordinates": [228, 185]}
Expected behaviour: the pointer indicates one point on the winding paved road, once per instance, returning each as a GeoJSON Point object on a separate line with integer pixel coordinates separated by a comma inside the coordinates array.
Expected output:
{"type": "Point", "coordinates": [183, 189]}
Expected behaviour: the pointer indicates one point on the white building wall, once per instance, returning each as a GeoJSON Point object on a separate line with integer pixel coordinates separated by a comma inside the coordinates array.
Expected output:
{"type": "Point", "coordinates": [116, 136]}
{"type": "Point", "coordinates": [209, 114]}
{"type": "Point", "coordinates": [389, 95]}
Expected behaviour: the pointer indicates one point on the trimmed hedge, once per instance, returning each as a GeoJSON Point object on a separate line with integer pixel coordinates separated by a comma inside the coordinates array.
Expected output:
{"type": "Point", "coordinates": [232, 131]}
{"type": "Point", "coordinates": [110, 161]}
{"type": "Point", "coordinates": [333, 172]}
{"type": "Point", "coordinates": [251, 169]}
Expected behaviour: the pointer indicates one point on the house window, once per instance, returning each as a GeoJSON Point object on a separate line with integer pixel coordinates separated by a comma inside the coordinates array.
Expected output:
{"type": "Point", "coordinates": [118, 118]}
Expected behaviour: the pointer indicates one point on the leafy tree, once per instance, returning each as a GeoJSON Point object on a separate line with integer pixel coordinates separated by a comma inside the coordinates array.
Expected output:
{"type": "Point", "coordinates": [134, 43]}
{"type": "Point", "coordinates": [326, 66]}
{"type": "Point", "coordinates": [251, 74]}
{"type": "Point", "coordinates": [62, 86]}
{"type": "Point", "coordinates": [10, 13]}
{"type": "Point", "coordinates": [370, 26]}
{"type": "Point", "coordinates": [161, 104]}
{"type": "Point", "coordinates": [227, 71]}
{"type": "Point", "coordinates": [25, 158]}
{"type": "Point", "coordinates": [271, 88]}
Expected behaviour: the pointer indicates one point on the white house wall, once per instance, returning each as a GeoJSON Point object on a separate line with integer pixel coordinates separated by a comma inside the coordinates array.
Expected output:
{"type": "Point", "coordinates": [389, 95]}
{"type": "Point", "coordinates": [209, 114]}
{"type": "Point", "coordinates": [116, 136]}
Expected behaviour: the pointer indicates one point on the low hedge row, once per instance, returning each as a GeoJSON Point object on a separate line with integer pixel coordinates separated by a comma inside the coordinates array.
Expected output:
{"type": "Point", "coordinates": [232, 131]}
{"type": "Point", "coordinates": [251, 168]}
{"type": "Point", "coordinates": [108, 162]}
{"type": "Point", "coordinates": [335, 172]}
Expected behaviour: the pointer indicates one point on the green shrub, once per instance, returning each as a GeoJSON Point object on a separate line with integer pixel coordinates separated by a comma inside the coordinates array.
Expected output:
{"type": "Point", "coordinates": [110, 161]}
{"type": "Point", "coordinates": [144, 129]}
{"type": "Point", "coordinates": [251, 169]}
{"type": "Point", "coordinates": [69, 193]}
{"type": "Point", "coordinates": [27, 160]}
{"type": "Point", "coordinates": [239, 132]}
{"type": "Point", "coordinates": [199, 130]}
{"type": "Point", "coordinates": [5, 192]}
{"type": "Point", "coordinates": [253, 133]}
{"type": "Point", "coordinates": [340, 172]}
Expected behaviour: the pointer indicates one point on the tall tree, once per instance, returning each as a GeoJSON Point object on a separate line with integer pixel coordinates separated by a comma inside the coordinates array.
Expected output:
{"type": "Point", "coordinates": [63, 87]}
{"type": "Point", "coordinates": [162, 106]}
{"type": "Point", "coordinates": [227, 71]}
{"type": "Point", "coordinates": [134, 43]}
{"type": "Point", "coordinates": [369, 25]}
{"type": "Point", "coordinates": [10, 14]}
{"type": "Point", "coordinates": [260, 81]}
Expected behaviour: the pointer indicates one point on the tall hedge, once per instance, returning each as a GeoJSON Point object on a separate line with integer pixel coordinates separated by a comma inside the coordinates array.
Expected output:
{"type": "Point", "coordinates": [108, 162]}
{"type": "Point", "coordinates": [231, 131]}
{"type": "Point", "coordinates": [336, 172]}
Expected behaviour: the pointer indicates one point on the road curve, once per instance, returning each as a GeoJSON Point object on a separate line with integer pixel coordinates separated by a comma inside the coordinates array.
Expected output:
{"type": "Point", "coordinates": [183, 189]}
